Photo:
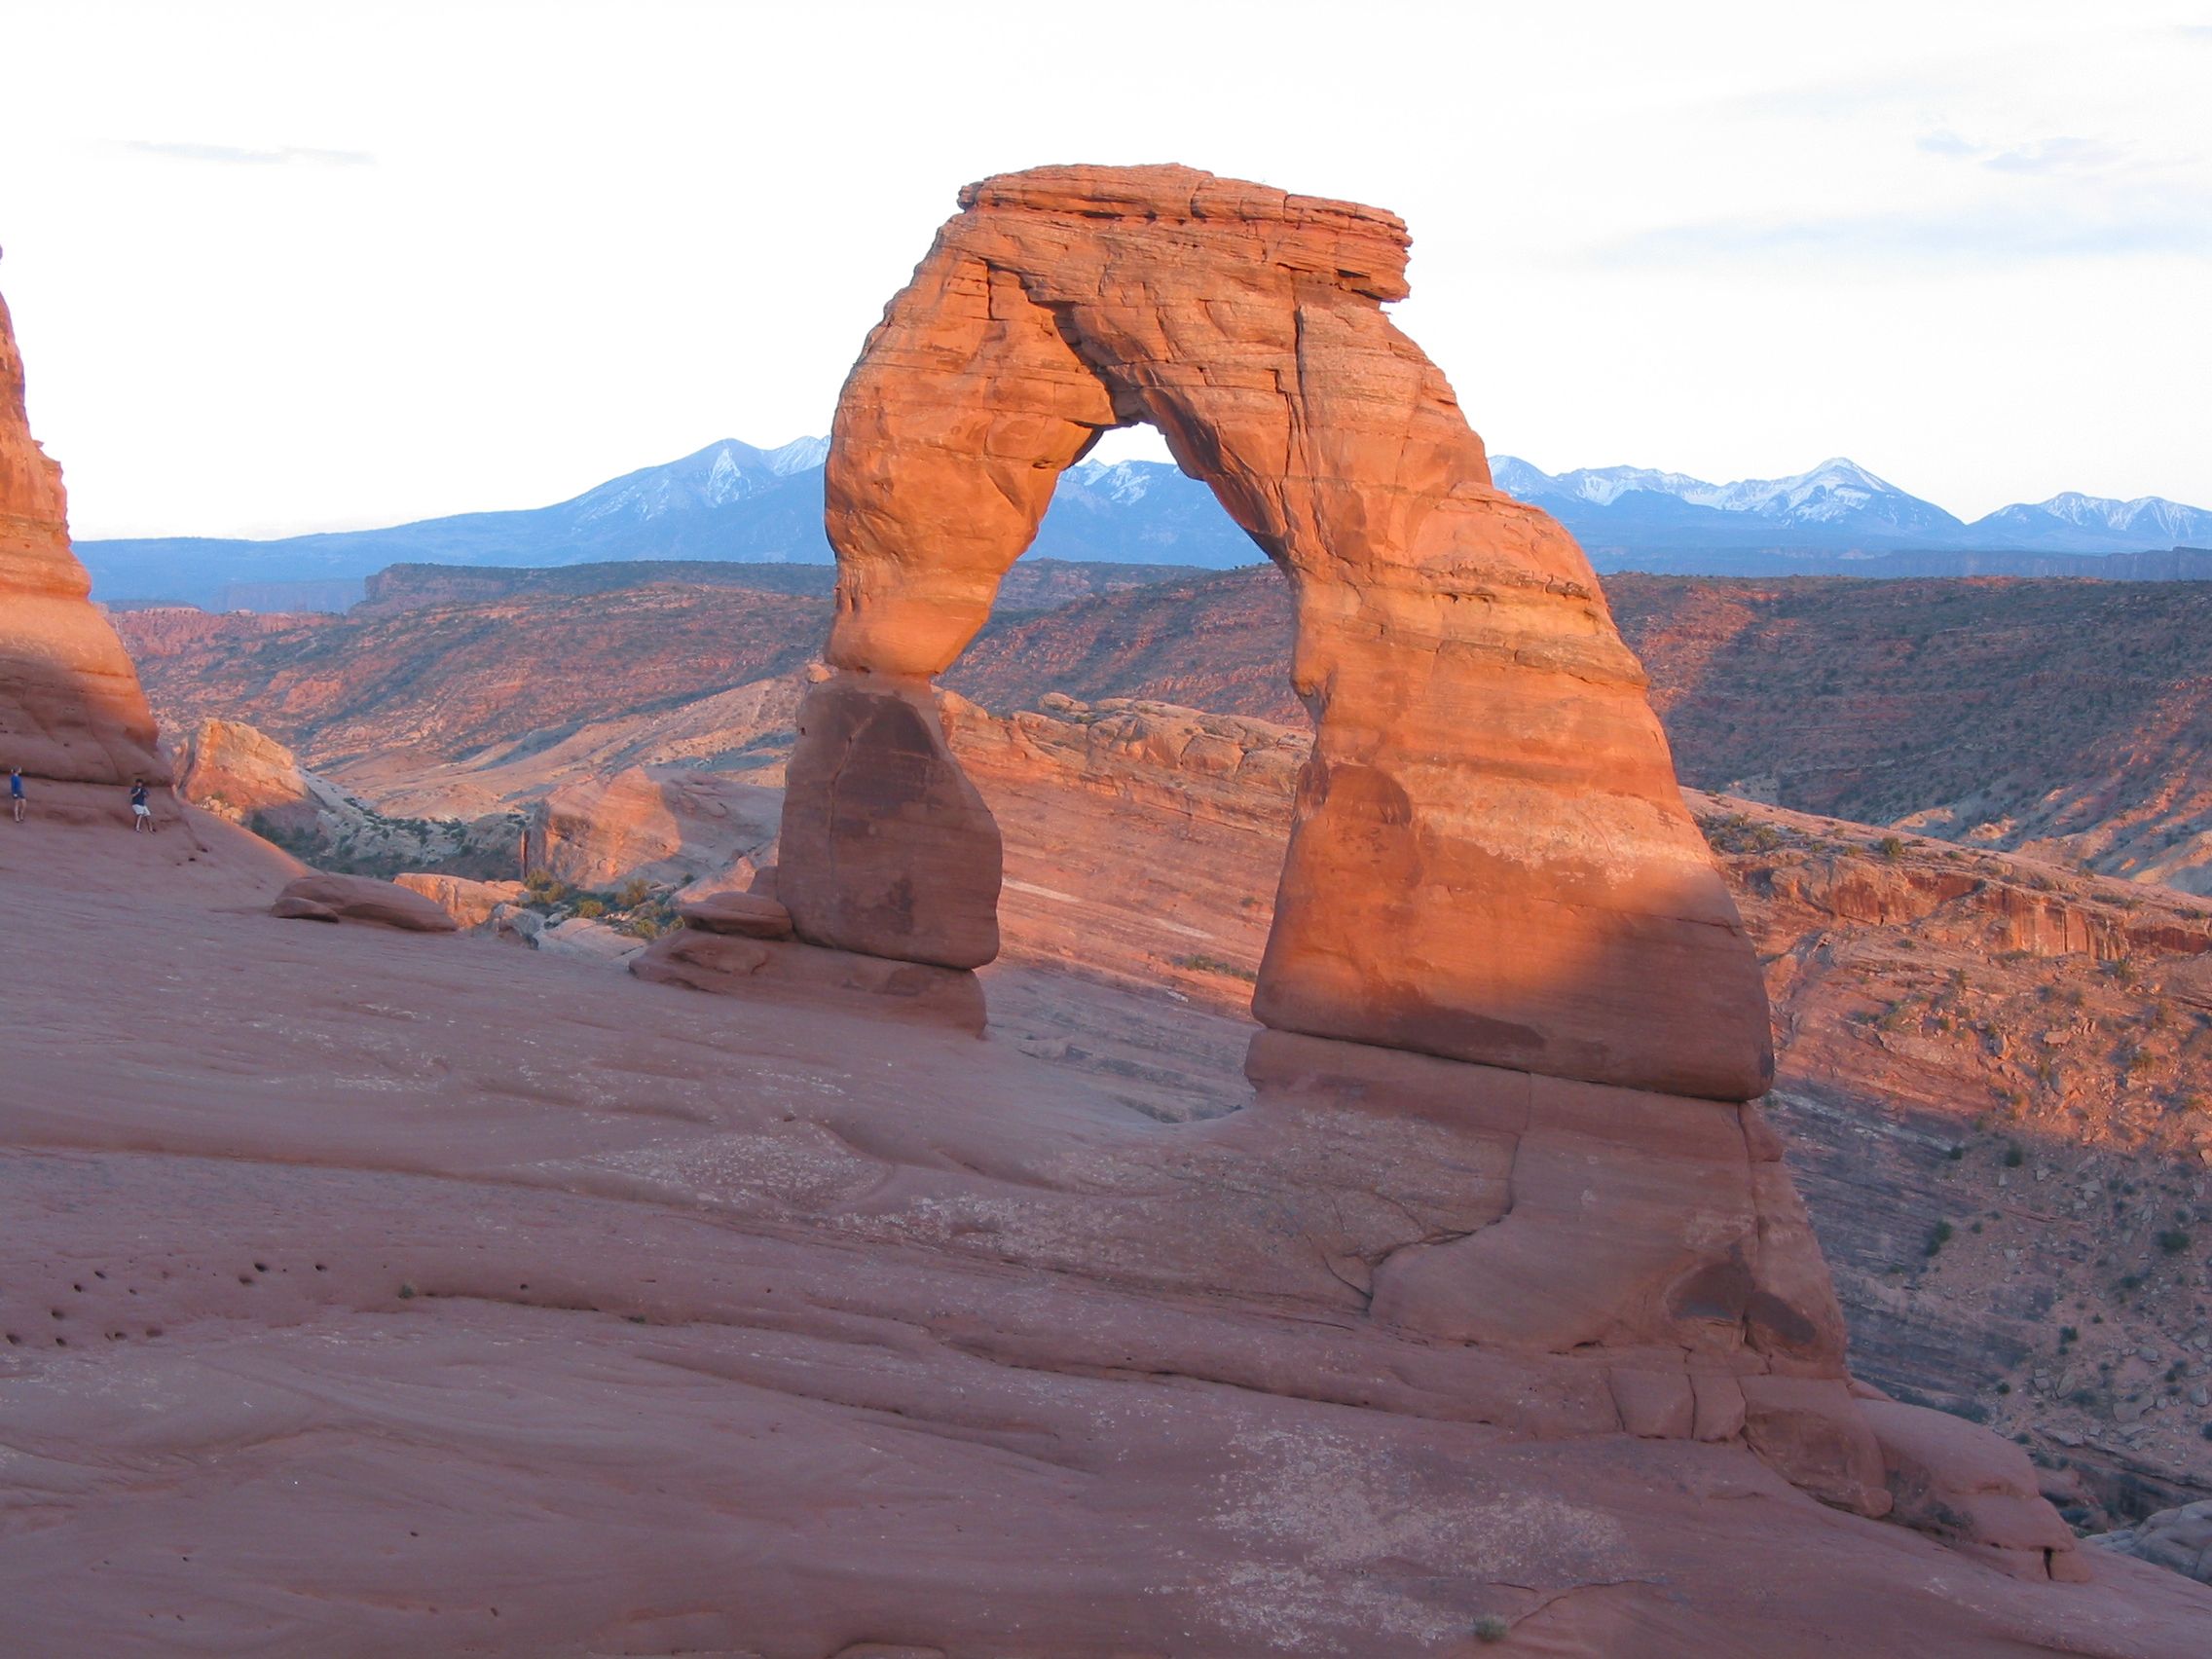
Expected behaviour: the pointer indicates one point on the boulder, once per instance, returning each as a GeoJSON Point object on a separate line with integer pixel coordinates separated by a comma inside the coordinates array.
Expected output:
{"type": "Point", "coordinates": [750, 915]}
{"type": "Point", "coordinates": [2180, 1538]}
{"type": "Point", "coordinates": [238, 772]}
{"type": "Point", "coordinates": [70, 704]}
{"type": "Point", "coordinates": [887, 848]}
{"type": "Point", "coordinates": [667, 824]}
{"type": "Point", "coordinates": [1970, 1488]}
{"type": "Point", "coordinates": [1489, 859]}
{"type": "Point", "coordinates": [470, 904]}
{"type": "Point", "coordinates": [322, 898]}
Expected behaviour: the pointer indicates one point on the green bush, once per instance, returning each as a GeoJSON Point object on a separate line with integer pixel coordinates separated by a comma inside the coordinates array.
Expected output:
{"type": "Point", "coordinates": [1214, 964]}
{"type": "Point", "coordinates": [2173, 1241]}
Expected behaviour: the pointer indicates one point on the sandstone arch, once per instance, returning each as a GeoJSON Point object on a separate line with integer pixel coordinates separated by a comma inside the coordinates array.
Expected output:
{"type": "Point", "coordinates": [1491, 862]}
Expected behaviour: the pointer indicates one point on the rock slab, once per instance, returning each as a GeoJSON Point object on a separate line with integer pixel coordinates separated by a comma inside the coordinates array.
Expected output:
{"type": "Point", "coordinates": [322, 898]}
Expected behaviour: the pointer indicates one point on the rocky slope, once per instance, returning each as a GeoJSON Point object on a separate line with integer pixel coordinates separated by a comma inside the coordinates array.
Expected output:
{"type": "Point", "coordinates": [1996, 1074]}
{"type": "Point", "coordinates": [402, 1294]}
{"type": "Point", "coordinates": [1939, 1012]}
{"type": "Point", "coordinates": [1033, 584]}
{"type": "Point", "coordinates": [441, 682]}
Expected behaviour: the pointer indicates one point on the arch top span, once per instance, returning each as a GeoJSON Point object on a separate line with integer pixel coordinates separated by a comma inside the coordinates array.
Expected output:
{"type": "Point", "coordinates": [1490, 860]}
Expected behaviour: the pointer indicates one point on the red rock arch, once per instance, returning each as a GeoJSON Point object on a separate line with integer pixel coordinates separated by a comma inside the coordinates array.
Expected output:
{"type": "Point", "coordinates": [1490, 860]}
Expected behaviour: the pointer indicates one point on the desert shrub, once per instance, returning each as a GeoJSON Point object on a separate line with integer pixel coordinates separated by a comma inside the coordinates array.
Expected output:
{"type": "Point", "coordinates": [1889, 847]}
{"type": "Point", "coordinates": [2173, 1241]}
{"type": "Point", "coordinates": [1736, 834]}
{"type": "Point", "coordinates": [1939, 1235]}
{"type": "Point", "coordinates": [590, 907]}
{"type": "Point", "coordinates": [633, 893]}
{"type": "Point", "coordinates": [2015, 1156]}
{"type": "Point", "coordinates": [1214, 964]}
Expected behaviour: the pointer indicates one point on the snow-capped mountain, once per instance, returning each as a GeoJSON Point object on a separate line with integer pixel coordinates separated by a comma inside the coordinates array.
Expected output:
{"type": "Point", "coordinates": [713, 477]}
{"type": "Point", "coordinates": [732, 500]}
{"type": "Point", "coordinates": [1839, 507]}
{"type": "Point", "coordinates": [1838, 497]}
{"type": "Point", "coordinates": [2069, 521]}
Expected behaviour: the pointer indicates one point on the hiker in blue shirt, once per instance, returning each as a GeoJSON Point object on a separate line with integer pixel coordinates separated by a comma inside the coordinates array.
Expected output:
{"type": "Point", "coordinates": [16, 790]}
{"type": "Point", "coordinates": [141, 815]}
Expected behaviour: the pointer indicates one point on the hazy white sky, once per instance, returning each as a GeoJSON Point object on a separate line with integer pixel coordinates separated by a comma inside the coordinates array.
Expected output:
{"type": "Point", "coordinates": [312, 266]}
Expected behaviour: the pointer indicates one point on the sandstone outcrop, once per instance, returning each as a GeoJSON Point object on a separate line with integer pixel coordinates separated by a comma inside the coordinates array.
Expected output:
{"type": "Point", "coordinates": [1490, 861]}
{"type": "Point", "coordinates": [70, 705]}
{"type": "Point", "coordinates": [2180, 1538]}
{"type": "Point", "coordinates": [750, 915]}
{"type": "Point", "coordinates": [890, 851]}
{"type": "Point", "coordinates": [470, 904]}
{"type": "Point", "coordinates": [467, 1278]}
{"type": "Point", "coordinates": [245, 776]}
{"type": "Point", "coordinates": [666, 825]}
{"type": "Point", "coordinates": [361, 898]}
{"type": "Point", "coordinates": [1491, 873]}
{"type": "Point", "coordinates": [240, 773]}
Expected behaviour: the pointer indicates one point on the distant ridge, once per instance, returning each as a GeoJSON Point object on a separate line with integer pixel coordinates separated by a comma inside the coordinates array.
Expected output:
{"type": "Point", "coordinates": [732, 502]}
{"type": "Point", "coordinates": [1839, 507]}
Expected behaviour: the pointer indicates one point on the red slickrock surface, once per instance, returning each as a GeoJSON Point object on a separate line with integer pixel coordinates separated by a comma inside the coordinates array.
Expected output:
{"type": "Point", "coordinates": [1490, 861]}
{"type": "Point", "coordinates": [70, 705]}
{"type": "Point", "coordinates": [367, 1282]}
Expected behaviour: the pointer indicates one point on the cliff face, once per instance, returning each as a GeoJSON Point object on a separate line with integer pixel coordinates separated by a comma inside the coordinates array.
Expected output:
{"type": "Point", "coordinates": [2067, 720]}
{"type": "Point", "coordinates": [441, 682]}
{"type": "Point", "coordinates": [2060, 719]}
{"type": "Point", "coordinates": [70, 705]}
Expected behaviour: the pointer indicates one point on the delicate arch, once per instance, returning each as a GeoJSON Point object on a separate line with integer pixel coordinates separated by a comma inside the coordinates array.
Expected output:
{"type": "Point", "coordinates": [1490, 860]}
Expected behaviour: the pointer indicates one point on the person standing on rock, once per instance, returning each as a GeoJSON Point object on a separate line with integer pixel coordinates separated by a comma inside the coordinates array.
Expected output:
{"type": "Point", "coordinates": [15, 792]}
{"type": "Point", "coordinates": [141, 814]}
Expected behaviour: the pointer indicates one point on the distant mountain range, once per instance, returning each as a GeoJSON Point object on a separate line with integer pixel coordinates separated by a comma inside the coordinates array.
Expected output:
{"type": "Point", "coordinates": [734, 501]}
{"type": "Point", "coordinates": [1839, 507]}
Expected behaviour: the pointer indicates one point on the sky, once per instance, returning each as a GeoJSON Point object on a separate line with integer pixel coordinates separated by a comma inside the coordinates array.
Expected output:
{"type": "Point", "coordinates": [310, 265]}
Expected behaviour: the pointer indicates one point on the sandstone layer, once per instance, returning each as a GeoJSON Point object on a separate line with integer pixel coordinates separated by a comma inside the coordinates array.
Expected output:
{"type": "Point", "coordinates": [2059, 720]}
{"type": "Point", "coordinates": [1489, 862]}
{"type": "Point", "coordinates": [443, 1301]}
{"type": "Point", "coordinates": [70, 705]}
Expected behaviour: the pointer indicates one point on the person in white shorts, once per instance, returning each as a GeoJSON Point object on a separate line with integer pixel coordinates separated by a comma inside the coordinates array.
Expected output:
{"type": "Point", "coordinates": [141, 815]}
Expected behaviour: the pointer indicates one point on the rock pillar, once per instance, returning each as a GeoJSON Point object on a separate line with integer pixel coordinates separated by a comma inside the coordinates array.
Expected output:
{"type": "Point", "coordinates": [70, 705]}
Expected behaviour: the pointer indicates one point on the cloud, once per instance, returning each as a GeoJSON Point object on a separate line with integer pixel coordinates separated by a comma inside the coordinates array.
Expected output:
{"type": "Point", "coordinates": [2059, 156]}
{"type": "Point", "coordinates": [2051, 156]}
{"type": "Point", "coordinates": [1972, 237]}
{"type": "Point", "coordinates": [232, 157]}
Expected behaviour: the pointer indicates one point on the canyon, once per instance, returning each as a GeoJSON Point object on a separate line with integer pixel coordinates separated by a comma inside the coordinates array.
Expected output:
{"type": "Point", "coordinates": [792, 1320]}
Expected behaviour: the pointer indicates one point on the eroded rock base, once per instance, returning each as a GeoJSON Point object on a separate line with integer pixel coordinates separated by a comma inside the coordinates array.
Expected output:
{"type": "Point", "coordinates": [730, 964]}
